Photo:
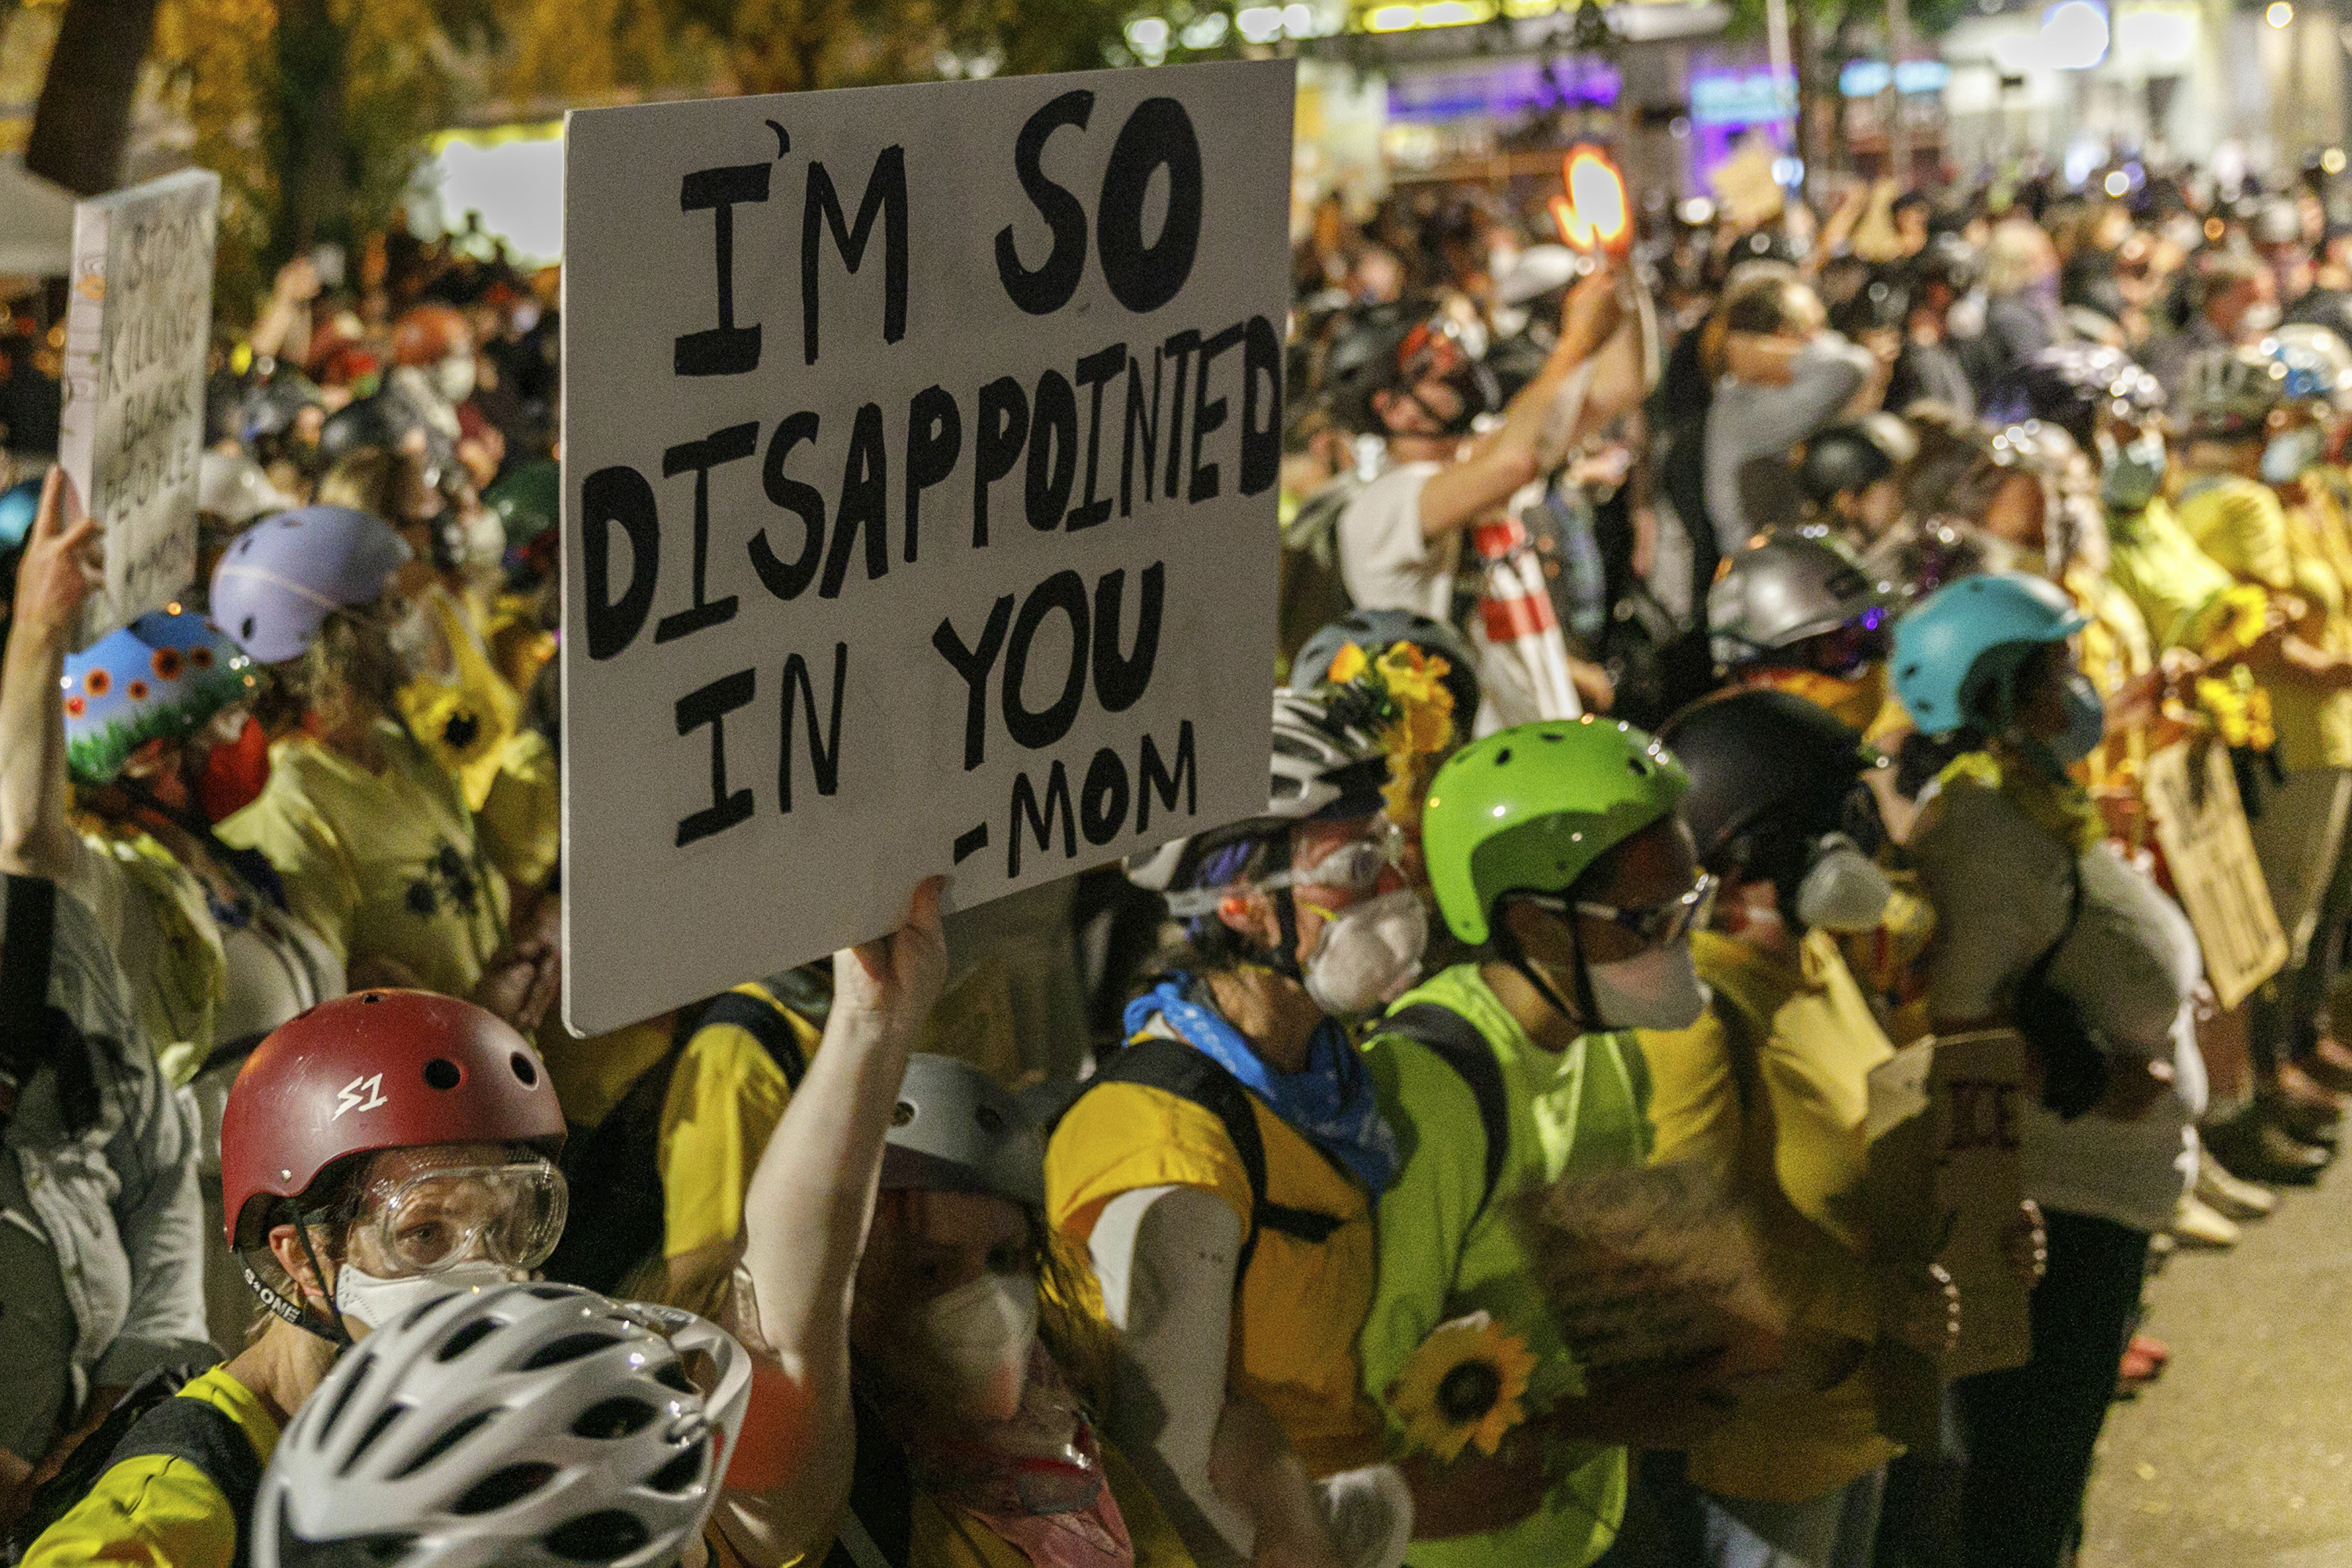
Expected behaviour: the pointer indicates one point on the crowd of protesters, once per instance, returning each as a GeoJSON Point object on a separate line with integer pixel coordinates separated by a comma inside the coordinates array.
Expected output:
{"type": "Point", "coordinates": [1707, 665]}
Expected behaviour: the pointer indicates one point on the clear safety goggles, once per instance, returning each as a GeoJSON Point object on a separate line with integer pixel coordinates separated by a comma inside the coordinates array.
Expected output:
{"type": "Point", "coordinates": [510, 1214]}
{"type": "Point", "coordinates": [1653, 925]}
{"type": "Point", "coordinates": [1354, 867]}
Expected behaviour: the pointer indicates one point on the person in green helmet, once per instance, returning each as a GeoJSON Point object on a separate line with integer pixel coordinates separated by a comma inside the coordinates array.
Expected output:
{"type": "Point", "coordinates": [1554, 849]}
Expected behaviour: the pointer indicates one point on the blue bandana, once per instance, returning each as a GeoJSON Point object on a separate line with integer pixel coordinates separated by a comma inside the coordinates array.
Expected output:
{"type": "Point", "coordinates": [1329, 1103]}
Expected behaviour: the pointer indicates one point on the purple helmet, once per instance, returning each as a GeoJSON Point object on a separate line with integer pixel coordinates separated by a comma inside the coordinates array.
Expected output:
{"type": "Point", "coordinates": [286, 573]}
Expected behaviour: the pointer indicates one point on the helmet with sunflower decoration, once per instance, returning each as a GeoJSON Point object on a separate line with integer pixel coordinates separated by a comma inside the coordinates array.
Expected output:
{"type": "Point", "coordinates": [162, 676]}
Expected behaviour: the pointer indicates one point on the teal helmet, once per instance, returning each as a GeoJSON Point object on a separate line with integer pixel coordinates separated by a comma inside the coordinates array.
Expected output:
{"type": "Point", "coordinates": [1940, 642]}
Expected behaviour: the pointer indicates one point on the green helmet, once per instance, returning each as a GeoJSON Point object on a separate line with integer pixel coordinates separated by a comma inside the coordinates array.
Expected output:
{"type": "Point", "coordinates": [529, 501]}
{"type": "Point", "coordinates": [1532, 807]}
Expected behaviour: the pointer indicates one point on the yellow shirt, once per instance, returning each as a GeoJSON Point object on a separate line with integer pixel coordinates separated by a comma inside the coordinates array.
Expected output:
{"type": "Point", "coordinates": [2315, 728]}
{"type": "Point", "coordinates": [1301, 1303]}
{"type": "Point", "coordinates": [726, 1097]}
{"type": "Point", "coordinates": [1791, 1144]}
{"type": "Point", "coordinates": [2173, 582]}
{"type": "Point", "coordinates": [158, 1512]}
{"type": "Point", "coordinates": [2116, 651]}
{"type": "Point", "coordinates": [383, 866]}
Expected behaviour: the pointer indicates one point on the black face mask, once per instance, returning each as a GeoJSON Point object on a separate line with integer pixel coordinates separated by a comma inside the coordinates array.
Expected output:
{"type": "Point", "coordinates": [1476, 391]}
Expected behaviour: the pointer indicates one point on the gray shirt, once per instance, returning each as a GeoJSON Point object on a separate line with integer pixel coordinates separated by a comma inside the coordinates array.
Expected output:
{"type": "Point", "coordinates": [2002, 885]}
{"type": "Point", "coordinates": [1748, 420]}
{"type": "Point", "coordinates": [117, 1204]}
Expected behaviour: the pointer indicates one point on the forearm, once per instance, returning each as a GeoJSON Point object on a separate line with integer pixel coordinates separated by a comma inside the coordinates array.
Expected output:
{"type": "Point", "coordinates": [1166, 1256]}
{"type": "Point", "coordinates": [806, 1214]}
{"type": "Point", "coordinates": [34, 839]}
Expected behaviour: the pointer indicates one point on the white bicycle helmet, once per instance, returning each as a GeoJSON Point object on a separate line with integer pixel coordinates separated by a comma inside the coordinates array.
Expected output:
{"type": "Point", "coordinates": [1325, 763]}
{"type": "Point", "coordinates": [528, 1425]}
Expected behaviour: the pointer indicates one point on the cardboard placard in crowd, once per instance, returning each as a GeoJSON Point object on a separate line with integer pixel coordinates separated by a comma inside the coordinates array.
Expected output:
{"type": "Point", "coordinates": [131, 426]}
{"type": "Point", "coordinates": [921, 454]}
{"type": "Point", "coordinates": [1944, 1187]}
{"type": "Point", "coordinates": [2201, 823]}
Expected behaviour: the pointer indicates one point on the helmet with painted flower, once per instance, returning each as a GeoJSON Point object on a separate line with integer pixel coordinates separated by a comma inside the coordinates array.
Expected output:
{"type": "Point", "coordinates": [162, 676]}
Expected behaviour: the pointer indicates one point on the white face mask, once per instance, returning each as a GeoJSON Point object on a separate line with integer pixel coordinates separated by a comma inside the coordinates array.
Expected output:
{"type": "Point", "coordinates": [1368, 953]}
{"type": "Point", "coordinates": [1658, 989]}
{"type": "Point", "coordinates": [1843, 890]}
{"type": "Point", "coordinates": [454, 377]}
{"type": "Point", "coordinates": [979, 1333]}
{"type": "Point", "coordinates": [361, 1298]}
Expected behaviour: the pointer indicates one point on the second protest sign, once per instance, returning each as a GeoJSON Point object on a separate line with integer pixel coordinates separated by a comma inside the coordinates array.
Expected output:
{"type": "Point", "coordinates": [920, 448]}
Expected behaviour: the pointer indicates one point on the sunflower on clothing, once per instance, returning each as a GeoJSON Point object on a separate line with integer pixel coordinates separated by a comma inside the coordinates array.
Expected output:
{"type": "Point", "coordinates": [1466, 1384]}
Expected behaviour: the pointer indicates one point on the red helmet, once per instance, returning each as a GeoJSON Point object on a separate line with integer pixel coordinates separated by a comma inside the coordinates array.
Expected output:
{"type": "Point", "coordinates": [428, 334]}
{"type": "Point", "coordinates": [380, 1069]}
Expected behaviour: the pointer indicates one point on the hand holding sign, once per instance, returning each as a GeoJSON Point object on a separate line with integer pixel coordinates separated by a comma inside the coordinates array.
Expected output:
{"type": "Point", "coordinates": [59, 568]}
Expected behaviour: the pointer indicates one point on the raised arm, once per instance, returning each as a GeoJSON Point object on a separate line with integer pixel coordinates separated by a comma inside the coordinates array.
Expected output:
{"type": "Point", "coordinates": [52, 581]}
{"type": "Point", "coordinates": [1463, 492]}
{"type": "Point", "coordinates": [805, 1222]}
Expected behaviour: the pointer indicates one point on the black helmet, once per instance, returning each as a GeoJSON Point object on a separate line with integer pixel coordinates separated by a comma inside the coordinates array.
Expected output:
{"type": "Point", "coordinates": [2067, 384]}
{"type": "Point", "coordinates": [1398, 344]}
{"type": "Point", "coordinates": [1375, 631]}
{"type": "Point", "coordinates": [1949, 259]}
{"type": "Point", "coordinates": [383, 420]}
{"type": "Point", "coordinates": [1849, 456]}
{"type": "Point", "coordinates": [1770, 775]}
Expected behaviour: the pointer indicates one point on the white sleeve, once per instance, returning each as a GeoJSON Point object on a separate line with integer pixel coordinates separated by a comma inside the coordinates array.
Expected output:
{"type": "Point", "coordinates": [1386, 559]}
{"type": "Point", "coordinates": [1166, 1258]}
{"type": "Point", "coordinates": [1370, 1511]}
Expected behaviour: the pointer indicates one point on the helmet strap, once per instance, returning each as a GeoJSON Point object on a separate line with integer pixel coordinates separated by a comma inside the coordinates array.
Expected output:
{"type": "Point", "coordinates": [330, 1328]}
{"type": "Point", "coordinates": [1586, 1014]}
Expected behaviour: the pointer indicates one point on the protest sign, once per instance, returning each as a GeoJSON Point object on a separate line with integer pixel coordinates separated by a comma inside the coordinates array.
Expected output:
{"type": "Point", "coordinates": [920, 448]}
{"type": "Point", "coordinates": [1944, 1187]}
{"type": "Point", "coordinates": [138, 326]}
{"type": "Point", "coordinates": [2201, 823]}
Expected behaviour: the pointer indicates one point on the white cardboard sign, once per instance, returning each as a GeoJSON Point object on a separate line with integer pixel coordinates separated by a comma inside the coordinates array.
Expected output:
{"type": "Point", "coordinates": [138, 326]}
{"type": "Point", "coordinates": [920, 448]}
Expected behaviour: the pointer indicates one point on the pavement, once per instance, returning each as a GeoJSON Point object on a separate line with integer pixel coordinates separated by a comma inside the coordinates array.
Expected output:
{"type": "Point", "coordinates": [2241, 1455]}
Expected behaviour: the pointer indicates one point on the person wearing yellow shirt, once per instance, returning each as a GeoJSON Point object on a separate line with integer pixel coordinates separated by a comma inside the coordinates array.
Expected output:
{"type": "Point", "coordinates": [1768, 1092]}
{"type": "Point", "coordinates": [2243, 438]}
{"type": "Point", "coordinates": [669, 1119]}
{"type": "Point", "coordinates": [2319, 502]}
{"type": "Point", "coordinates": [373, 840]}
{"type": "Point", "coordinates": [1220, 1170]}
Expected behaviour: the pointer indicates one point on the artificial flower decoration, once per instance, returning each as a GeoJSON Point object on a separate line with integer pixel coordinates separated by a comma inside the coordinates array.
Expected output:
{"type": "Point", "coordinates": [1464, 1386]}
{"type": "Point", "coordinates": [1403, 693]}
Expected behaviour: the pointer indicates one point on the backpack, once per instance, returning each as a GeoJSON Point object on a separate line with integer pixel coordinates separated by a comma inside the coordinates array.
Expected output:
{"type": "Point", "coordinates": [1310, 592]}
{"type": "Point", "coordinates": [148, 1420]}
{"type": "Point", "coordinates": [1175, 1067]}
{"type": "Point", "coordinates": [613, 1170]}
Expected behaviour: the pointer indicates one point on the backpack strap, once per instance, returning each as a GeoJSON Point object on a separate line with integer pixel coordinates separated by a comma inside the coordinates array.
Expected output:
{"type": "Point", "coordinates": [207, 1437]}
{"type": "Point", "coordinates": [762, 1020]}
{"type": "Point", "coordinates": [1455, 1041]}
{"type": "Point", "coordinates": [878, 1524]}
{"type": "Point", "coordinates": [1174, 1068]}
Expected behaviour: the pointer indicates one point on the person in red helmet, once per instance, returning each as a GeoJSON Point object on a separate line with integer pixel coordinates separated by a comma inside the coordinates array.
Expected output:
{"type": "Point", "coordinates": [387, 1148]}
